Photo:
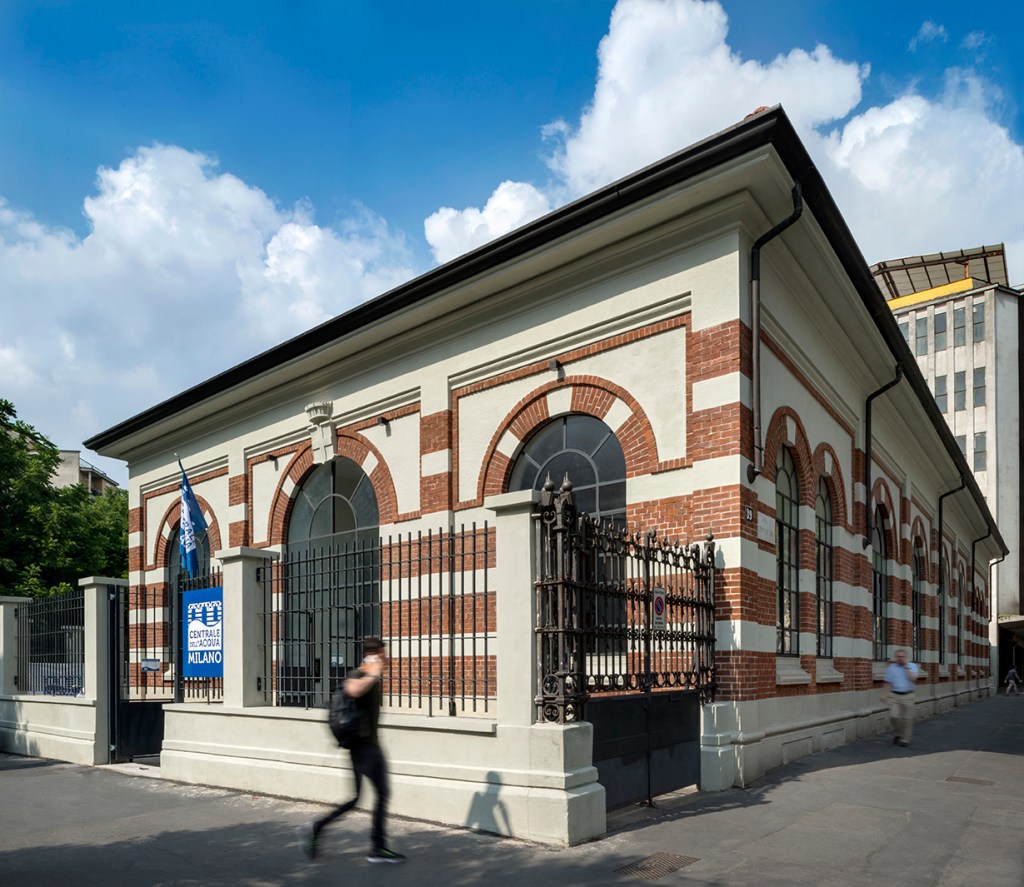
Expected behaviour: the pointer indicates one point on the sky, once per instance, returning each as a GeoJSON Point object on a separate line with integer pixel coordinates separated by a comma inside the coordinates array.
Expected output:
{"type": "Point", "coordinates": [184, 185]}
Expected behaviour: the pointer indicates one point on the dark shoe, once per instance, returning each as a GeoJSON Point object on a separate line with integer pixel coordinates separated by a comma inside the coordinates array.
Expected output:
{"type": "Point", "coordinates": [307, 839]}
{"type": "Point", "coordinates": [902, 744]}
{"type": "Point", "coordinates": [895, 740]}
{"type": "Point", "coordinates": [382, 854]}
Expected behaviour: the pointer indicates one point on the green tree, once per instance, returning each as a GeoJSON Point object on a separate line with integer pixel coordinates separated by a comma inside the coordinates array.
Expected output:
{"type": "Point", "coordinates": [49, 537]}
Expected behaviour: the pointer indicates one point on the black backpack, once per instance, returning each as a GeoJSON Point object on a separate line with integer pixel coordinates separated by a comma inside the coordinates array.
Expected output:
{"type": "Point", "coordinates": [343, 717]}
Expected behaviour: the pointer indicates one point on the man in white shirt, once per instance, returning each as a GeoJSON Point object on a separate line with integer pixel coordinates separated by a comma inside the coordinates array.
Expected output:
{"type": "Point", "coordinates": [900, 677]}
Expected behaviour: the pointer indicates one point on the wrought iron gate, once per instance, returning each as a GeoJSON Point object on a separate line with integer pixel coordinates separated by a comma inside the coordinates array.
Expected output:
{"type": "Point", "coordinates": [625, 639]}
{"type": "Point", "coordinates": [145, 664]}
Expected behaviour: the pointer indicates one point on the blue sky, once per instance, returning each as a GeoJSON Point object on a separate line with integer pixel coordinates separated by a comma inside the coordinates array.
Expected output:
{"type": "Point", "coordinates": [166, 160]}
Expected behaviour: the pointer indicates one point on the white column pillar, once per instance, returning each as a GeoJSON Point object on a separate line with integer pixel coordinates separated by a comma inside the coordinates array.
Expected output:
{"type": "Point", "coordinates": [100, 596]}
{"type": "Point", "coordinates": [515, 606]}
{"type": "Point", "coordinates": [9, 642]}
{"type": "Point", "coordinates": [243, 625]}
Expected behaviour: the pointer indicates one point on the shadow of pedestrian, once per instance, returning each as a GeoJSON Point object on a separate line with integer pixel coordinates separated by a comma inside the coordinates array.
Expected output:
{"type": "Point", "coordinates": [487, 811]}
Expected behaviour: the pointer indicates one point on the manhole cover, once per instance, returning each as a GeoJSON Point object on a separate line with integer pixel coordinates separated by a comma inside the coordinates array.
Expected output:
{"type": "Point", "coordinates": [969, 781]}
{"type": "Point", "coordinates": [656, 866]}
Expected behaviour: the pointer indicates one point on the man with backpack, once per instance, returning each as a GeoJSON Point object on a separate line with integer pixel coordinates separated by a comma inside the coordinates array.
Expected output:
{"type": "Point", "coordinates": [363, 688]}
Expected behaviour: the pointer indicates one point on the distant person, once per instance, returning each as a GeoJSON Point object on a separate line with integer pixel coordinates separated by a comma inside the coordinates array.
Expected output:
{"type": "Point", "coordinates": [1011, 681]}
{"type": "Point", "coordinates": [364, 685]}
{"type": "Point", "coordinates": [900, 677]}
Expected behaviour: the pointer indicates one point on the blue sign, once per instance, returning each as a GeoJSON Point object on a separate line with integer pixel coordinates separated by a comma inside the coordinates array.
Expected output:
{"type": "Point", "coordinates": [202, 615]}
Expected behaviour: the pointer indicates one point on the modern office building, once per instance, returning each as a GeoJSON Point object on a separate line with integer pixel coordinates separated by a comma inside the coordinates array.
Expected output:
{"type": "Point", "coordinates": [962, 320]}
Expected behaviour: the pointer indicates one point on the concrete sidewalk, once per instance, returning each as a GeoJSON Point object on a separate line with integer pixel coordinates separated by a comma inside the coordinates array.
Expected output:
{"type": "Point", "coordinates": [947, 811]}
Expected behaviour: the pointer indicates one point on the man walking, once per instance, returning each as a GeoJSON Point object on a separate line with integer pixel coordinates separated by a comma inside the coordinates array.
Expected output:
{"type": "Point", "coordinates": [900, 677]}
{"type": "Point", "coordinates": [364, 686]}
{"type": "Point", "coordinates": [1011, 680]}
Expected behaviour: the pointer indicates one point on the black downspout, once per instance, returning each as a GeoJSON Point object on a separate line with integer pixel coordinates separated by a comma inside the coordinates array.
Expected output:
{"type": "Point", "coordinates": [867, 452]}
{"type": "Point", "coordinates": [757, 466]}
{"type": "Point", "coordinates": [942, 573]}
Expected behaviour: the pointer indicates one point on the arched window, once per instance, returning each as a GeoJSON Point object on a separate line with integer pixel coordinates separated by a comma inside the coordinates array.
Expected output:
{"type": "Point", "coordinates": [177, 575]}
{"type": "Point", "coordinates": [944, 610]}
{"type": "Point", "coordinates": [586, 450]}
{"type": "Point", "coordinates": [335, 505]}
{"type": "Point", "coordinates": [918, 579]}
{"type": "Point", "coordinates": [824, 567]}
{"type": "Point", "coordinates": [331, 578]}
{"type": "Point", "coordinates": [961, 594]}
{"type": "Point", "coordinates": [787, 554]}
{"type": "Point", "coordinates": [879, 587]}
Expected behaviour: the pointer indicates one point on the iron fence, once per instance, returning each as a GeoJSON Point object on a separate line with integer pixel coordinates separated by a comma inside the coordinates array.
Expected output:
{"type": "Point", "coordinates": [425, 594]}
{"type": "Point", "coordinates": [50, 640]}
{"type": "Point", "coordinates": [618, 611]}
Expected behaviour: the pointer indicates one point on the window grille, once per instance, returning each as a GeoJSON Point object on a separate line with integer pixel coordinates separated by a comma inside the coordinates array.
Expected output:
{"type": "Point", "coordinates": [824, 569]}
{"type": "Point", "coordinates": [879, 587]}
{"type": "Point", "coordinates": [916, 593]}
{"type": "Point", "coordinates": [787, 554]}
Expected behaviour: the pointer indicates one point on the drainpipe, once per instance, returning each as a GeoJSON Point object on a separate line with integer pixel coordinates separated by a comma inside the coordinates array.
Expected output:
{"type": "Point", "coordinates": [757, 466]}
{"type": "Point", "coordinates": [867, 451]}
{"type": "Point", "coordinates": [973, 558]}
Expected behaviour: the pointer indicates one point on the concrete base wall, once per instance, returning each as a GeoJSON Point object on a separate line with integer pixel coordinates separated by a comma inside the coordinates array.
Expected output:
{"type": "Point", "coordinates": [740, 742]}
{"type": "Point", "coordinates": [64, 728]}
{"type": "Point", "coordinates": [533, 782]}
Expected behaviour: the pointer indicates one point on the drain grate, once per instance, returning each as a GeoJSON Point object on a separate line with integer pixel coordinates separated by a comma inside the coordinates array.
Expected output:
{"type": "Point", "coordinates": [656, 866]}
{"type": "Point", "coordinates": [969, 781]}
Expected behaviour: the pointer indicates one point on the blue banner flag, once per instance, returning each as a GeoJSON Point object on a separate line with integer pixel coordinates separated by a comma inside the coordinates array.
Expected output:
{"type": "Point", "coordinates": [192, 522]}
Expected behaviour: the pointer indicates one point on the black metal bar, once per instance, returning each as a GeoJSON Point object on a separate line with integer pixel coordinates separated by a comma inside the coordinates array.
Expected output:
{"type": "Point", "coordinates": [867, 451]}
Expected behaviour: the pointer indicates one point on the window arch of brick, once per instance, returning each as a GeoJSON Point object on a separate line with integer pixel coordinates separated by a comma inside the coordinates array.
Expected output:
{"type": "Point", "coordinates": [786, 430]}
{"type": "Point", "coordinates": [592, 396]}
{"type": "Point", "coordinates": [171, 521]}
{"type": "Point", "coordinates": [884, 527]}
{"type": "Point", "coordinates": [350, 445]}
{"type": "Point", "coordinates": [882, 499]}
{"type": "Point", "coordinates": [827, 466]}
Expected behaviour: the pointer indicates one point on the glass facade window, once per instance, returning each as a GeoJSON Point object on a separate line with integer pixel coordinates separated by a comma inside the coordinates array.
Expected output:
{"type": "Point", "coordinates": [879, 587]}
{"type": "Point", "coordinates": [905, 330]}
{"type": "Point", "coordinates": [824, 566]}
{"type": "Point", "coordinates": [980, 456]}
{"type": "Point", "coordinates": [979, 386]}
{"type": "Point", "coordinates": [959, 326]}
{"type": "Point", "coordinates": [921, 337]}
{"type": "Point", "coordinates": [979, 321]}
{"type": "Point", "coordinates": [916, 596]}
{"type": "Point", "coordinates": [961, 441]}
{"type": "Point", "coordinates": [941, 395]}
{"type": "Point", "coordinates": [960, 391]}
{"type": "Point", "coordinates": [787, 554]}
{"type": "Point", "coordinates": [940, 331]}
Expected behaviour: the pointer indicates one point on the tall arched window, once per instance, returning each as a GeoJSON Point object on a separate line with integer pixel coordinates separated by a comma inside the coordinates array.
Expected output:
{"type": "Point", "coordinates": [586, 450]}
{"type": "Point", "coordinates": [944, 611]}
{"type": "Point", "coordinates": [961, 594]}
{"type": "Point", "coordinates": [787, 553]}
{"type": "Point", "coordinates": [918, 579]}
{"type": "Point", "coordinates": [879, 587]}
{"type": "Point", "coordinates": [177, 575]}
{"type": "Point", "coordinates": [331, 571]}
{"type": "Point", "coordinates": [824, 564]}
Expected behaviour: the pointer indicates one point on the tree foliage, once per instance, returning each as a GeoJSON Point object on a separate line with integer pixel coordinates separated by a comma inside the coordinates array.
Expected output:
{"type": "Point", "coordinates": [50, 537]}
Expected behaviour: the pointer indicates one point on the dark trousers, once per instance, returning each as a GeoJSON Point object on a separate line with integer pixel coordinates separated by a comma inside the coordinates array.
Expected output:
{"type": "Point", "coordinates": [367, 760]}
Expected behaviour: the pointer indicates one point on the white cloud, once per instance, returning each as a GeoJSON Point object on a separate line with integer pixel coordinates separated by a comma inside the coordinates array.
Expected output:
{"type": "Point", "coordinates": [929, 32]}
{"type": "Point", "coordinates": [184, 271]}
{"type": "Point", "coordinates": [451, 232]}
{"type": "Point", "coordinates": [974, 40]}
{"type": "Point", "coordinates": [917, 174]}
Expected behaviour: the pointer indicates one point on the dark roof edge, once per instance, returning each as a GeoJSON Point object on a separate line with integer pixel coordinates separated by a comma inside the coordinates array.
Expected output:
{"type": "Point", "coordinates": [767, 127]}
